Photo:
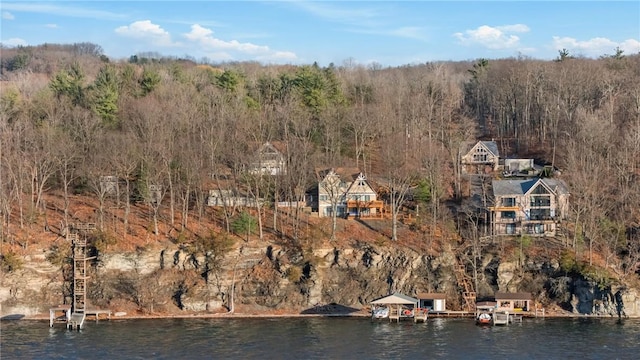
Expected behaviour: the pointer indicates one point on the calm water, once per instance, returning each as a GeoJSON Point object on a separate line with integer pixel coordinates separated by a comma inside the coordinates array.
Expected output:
{"type": "Point", "coordinates": [322, 338]}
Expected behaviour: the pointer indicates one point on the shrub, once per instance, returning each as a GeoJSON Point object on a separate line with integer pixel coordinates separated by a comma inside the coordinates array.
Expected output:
{"type": "Point", "coordinates": [568, 262]}
{"type": "Point", "coordinates": [10, 262]}
{"type": "Point", "coordinates": [599, 276]}
{"type": "Point", "coordinates": [59, 255]}
{"type": "Point", "coordinates": [244, 224]}
{"type": "Point", "coordinates": [102, 240]}
{"type": "Point", "coordinates": [294, 273]}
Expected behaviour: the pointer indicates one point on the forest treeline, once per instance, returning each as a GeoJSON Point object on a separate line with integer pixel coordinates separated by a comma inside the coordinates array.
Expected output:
{"type": "Point", "coordinates": [69, 116]}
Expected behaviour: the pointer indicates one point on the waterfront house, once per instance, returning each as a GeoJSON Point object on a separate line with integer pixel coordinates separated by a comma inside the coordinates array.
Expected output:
{"type": "Point", "coordinates": [269, 159]}
{"type": "Point", "coordinates": [479, 157]}
{"type": "Point", "coordinates": [224, 191]}
{"type": "Point", "coordinates": [533, 206]}
{"type": "Point", "coordinates": [109, 184]}
{"type": "Point", "coordinates": [348, 191]}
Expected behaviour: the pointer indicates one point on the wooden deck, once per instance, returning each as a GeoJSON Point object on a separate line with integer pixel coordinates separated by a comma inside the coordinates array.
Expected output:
{"type": "Point", "coordinates": [96, 314]}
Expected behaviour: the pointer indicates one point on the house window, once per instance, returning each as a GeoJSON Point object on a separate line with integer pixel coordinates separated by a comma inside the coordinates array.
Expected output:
{"type": "Point", "coordinates": [540, 214]}
{"type": "Point", "coordinates": [537, 201]}
{"type": "Point", "coordinates": [540, 190]}
{"type": "Point", "coordinates": [538, 228]}
{"type": "Point", "coordinates": [509, 202]}
{"type": "Point", "coordinates": [480, 155]}
{"type": "Point", "coordinates": [511, 229]}
{"type": "Point", "coordinates": [508, 215]}
{"type": "Point", "coordinates": [367, 198]}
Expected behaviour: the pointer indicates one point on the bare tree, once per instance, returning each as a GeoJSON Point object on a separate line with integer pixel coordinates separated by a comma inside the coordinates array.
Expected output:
{"type": "Point", "coordinates": [400, 174]}
{"type": "Point", "coordinates": [331, 189]}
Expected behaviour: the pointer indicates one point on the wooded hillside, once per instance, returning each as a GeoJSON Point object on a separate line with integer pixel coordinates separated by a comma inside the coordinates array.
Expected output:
{"type": "Point", "coordinates": [69, 116]}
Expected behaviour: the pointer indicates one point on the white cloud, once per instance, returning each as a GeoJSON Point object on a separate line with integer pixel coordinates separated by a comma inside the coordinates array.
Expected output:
{"type": "Point", "coordinates": [498, 37]}
{"type": "Point", "coordinates": [70, 11]}
{"type": "Point", "coordinates": [7, 15]}
{"type": "Point", "coordinates": [51, 26]}
{"type": "Point", "coordinates": [521, 28]}
{"type": "Point", "coordinates": [278, 56]}
{"type": "Point", "coordinates": [147, 31]}
{"type": "Point", "coordinates": [595, 46]}
{"type": "Point", "coordinates": [15, 42]}
{"type": "Point", "coordinates": [361, 20]}
{"type": "Point", "coordinates": [327, 10]}
{"type": "Point", "coordinates": [217, 47]}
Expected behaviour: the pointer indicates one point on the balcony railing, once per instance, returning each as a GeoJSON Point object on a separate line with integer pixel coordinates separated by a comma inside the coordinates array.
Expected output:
{"type": "Point", "coordinates": [522, 219]}
{"type": "Point", "coordinates": [546, 203]}
{"type": "Point", "coordinates": [372, 204]}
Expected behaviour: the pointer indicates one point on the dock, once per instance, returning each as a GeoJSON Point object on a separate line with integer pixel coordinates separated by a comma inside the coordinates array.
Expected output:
{"type": "Point", "coordinates": [500, 318]}
{"type": "Point", "coordinates": [63, 314]}
{"type": "Point", "coordinates": [56, 317]}
{"type": "Point", "coordinates": [420, 315]}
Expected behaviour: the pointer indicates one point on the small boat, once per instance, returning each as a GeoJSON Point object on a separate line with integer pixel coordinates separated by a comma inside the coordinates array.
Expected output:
{"type": "Point", "coordinates": [407, 313]}
{"type": "Point", "coordinates": [483, 319]}
{"type": "Point", "coordinates": [380, 313]}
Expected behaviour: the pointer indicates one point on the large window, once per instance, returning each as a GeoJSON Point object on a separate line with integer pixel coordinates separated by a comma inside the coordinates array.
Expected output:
{"type": "Point", "coordinates": [508, 215]}
{"type": "Point", "coordinates": [538, 201]}
{"type": "Point", "coordinates": [509, 202]}
{"type": "Point", "coordinates": [480, 155]}
{"type": "Point", "coordinates": [540, 214]}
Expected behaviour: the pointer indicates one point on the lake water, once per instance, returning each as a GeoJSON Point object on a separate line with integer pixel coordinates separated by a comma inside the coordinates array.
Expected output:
{"type": "Point", "coordinates": [322, 338]}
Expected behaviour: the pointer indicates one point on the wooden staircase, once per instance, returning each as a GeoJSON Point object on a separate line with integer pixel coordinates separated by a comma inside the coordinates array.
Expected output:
{"type": "Point", "coordinates": [465, 283]}
{"type": "Point", "coordinates": [80, 276]}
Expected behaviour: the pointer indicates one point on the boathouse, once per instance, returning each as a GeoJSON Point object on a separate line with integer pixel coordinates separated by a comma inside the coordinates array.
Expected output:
{"type": "Point", "coordinates": [400, 305]}
{"type": "Point", "coordinates": [519, 301]}
{"type": "Point", "coordinates": [435, 302]}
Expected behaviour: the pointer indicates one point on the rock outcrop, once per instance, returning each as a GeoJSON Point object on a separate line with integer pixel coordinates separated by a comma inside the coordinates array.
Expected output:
{"type": "Point", "coordinates": [272, 278]}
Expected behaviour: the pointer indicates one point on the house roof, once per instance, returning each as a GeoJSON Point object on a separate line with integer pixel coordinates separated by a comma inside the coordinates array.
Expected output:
{"type": "Point", "coordinates": [423, 296]}
{"type": "Point", "coordinates": [280, 146]}
{"type": "Point", "coordinates": [521, 187]}
{"type": "Point", "coordinates": [346, 174]}
{"type": "Point", "coordinates": [395, 299]}
{"type": "Point", "coordinates": [491, 146]}
{"type": "Point", "coordinates": [485, 305]}
{"type": "Point", "coordinates": [512, 296]}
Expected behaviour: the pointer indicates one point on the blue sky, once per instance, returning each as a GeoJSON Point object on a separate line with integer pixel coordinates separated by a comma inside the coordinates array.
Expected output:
{"type": "Point", "coordinates": [390, 33]}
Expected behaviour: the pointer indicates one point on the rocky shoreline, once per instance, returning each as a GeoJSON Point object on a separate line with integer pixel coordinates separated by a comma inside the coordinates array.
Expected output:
{"type": "Point", "coordinates": [271, 281]}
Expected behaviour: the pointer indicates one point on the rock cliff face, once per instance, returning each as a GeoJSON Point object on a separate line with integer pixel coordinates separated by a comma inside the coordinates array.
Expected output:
{"type": "Point", "coordinates": [271, 278]}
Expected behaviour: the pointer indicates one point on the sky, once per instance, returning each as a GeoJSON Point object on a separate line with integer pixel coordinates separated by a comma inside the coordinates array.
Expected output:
{"type": "Point", "coordinates": [388, 33]}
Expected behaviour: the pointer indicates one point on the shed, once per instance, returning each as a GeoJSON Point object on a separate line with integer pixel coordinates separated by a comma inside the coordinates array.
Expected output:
{"type": "Point", "coordinates": [518, 301]}
{"type": "Point", "coordinates": [433, 301]}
